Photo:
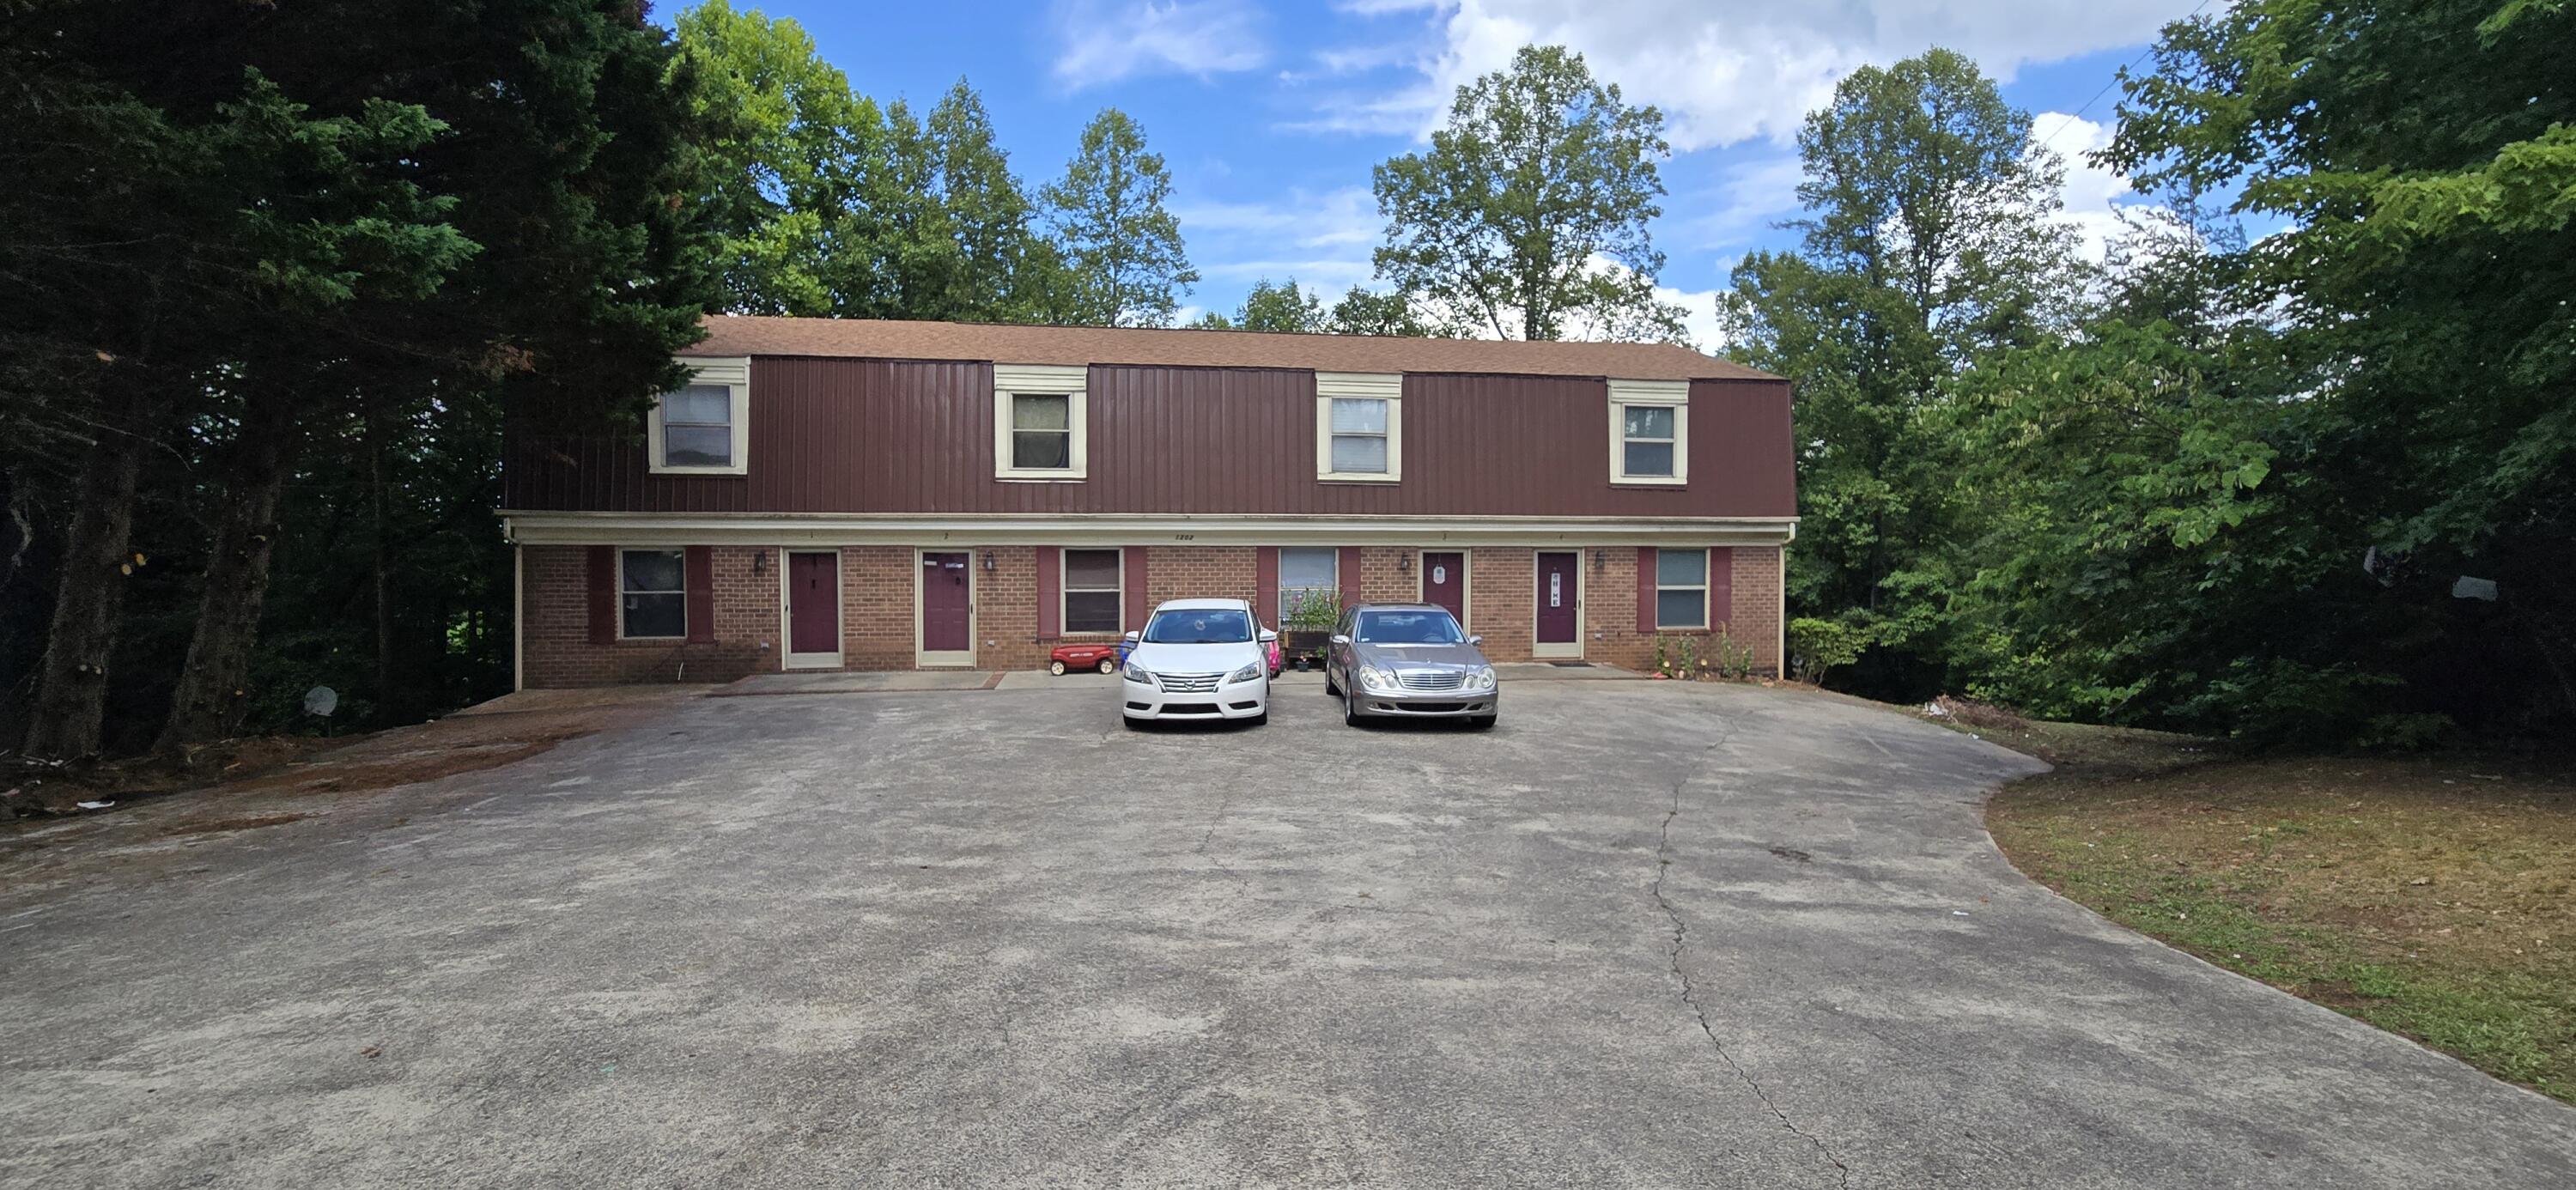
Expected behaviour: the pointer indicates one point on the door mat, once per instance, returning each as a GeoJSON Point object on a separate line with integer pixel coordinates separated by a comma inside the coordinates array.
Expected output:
{"type": "Point", "coordinates": [1571, 664]}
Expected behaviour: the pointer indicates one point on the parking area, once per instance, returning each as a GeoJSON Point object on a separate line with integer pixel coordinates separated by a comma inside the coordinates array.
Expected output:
{"type": "Point", "coordinates": [1641, 934]}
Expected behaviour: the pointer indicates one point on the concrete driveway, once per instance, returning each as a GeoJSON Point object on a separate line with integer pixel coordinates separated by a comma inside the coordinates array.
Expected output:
{"type": "Point", "coordinates": [1640, 935]}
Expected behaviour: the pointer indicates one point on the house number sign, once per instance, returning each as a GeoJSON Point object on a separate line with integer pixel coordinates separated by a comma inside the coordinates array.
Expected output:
{"type": "Point", "coordinates": [1556, 590]}
{"type": "Point", "coordinates": [1439, 574]}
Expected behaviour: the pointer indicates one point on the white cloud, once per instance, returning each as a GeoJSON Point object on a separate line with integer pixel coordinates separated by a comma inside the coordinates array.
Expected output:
{"type": "Point", "coordinates": [1321, 239]}
{"type": "Point", "coordinates": [1726, 71]}
{"type": "Point", "coordinates": [2090, 189]}
{"type": "Point", "coordinates": [1755, 195]}
{"type": "Point", "coordinates": [1103, 44]}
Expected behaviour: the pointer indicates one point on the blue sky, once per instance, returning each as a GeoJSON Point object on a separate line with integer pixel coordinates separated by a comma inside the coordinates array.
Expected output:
{"type": "Point", "coordinates": [1271, 114]}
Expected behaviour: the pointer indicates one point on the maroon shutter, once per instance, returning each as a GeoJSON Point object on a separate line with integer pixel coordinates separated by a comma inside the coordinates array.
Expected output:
{"type": "Point", "coordinates": [1134, 581]}
{"type": "Point", "coordinates": [1646, 613]}
{"type": "Point", "coordinates": [1348, 570]}
{"type": "Point", "coordinates": [1050, 592]}
{"type": "Point", "coordinates": [698, 565]}
{"type": "Point", "coordinates": [1265, 583]}
{"type": "Point", "coordinates": [1721, 584]}
{"type": "Point", "coordinates": [603, 594]}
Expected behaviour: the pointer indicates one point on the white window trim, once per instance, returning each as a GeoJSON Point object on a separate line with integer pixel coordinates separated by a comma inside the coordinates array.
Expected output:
{"type": "Point", "coordinates": [1672, 394]}
{"type": "Point", "coordinates": [1705, 619]}
{"type": "Point", "coordinates": [735, 374]}
{"type": "Point", "coordinates": [1041, 380]}
{"type": "Point", "coordinates": [683, 592]}
{"type": "Point", "coordinates": [1064, 589]}
{"type": "Point", "coordinates": [1367, 386]}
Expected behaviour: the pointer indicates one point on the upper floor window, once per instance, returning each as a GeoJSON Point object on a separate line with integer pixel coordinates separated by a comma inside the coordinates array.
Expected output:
{"type": "Point", "coordinates": [652, 594]}
{"type": "Point", "coordinates": [1649, 431]}
{"type": "Point", "coordinates": [1038, 422]}
{"type": "Point", "coordinates": [703, 427]}
{"type": "Point", "coordinates": [1306, 574]}
{"type": "Point", "coordinates": [1359, 426]}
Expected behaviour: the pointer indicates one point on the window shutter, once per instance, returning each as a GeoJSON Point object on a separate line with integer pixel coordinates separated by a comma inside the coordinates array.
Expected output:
{"type": "Point", "coordinates": [603, 594]}
{"type": "Point", "coordinates": [1137, 607]}
{"type": "Point", "coordinates": [1265, 583]}
{"type": "Point", "coordinates": [698, 562]}
{"type": "Point", "coordinates": [1646, 588]}
{"type": "Point", "coordinates": [1050, 592]}
{"type": "Point", "coordinates": [1721, 584]}
{"type": "Point", "coordinates": [1348, 569]}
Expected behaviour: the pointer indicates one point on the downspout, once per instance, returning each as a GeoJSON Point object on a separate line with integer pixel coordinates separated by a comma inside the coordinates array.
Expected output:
{"type": "Point", "coordinates": [518, 610]}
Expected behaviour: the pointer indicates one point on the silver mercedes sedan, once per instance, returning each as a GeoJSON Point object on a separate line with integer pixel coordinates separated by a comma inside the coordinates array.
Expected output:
{"type": "Point", "coordinates": [1409, 660]}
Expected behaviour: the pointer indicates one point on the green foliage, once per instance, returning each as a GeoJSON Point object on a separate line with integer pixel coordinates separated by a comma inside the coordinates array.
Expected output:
{"type": "Point", "coordinates": [1817, 647]}
{"type": "Point", "coordinates": [1501, 227]}
{"type": "Point", "coordinates": [1281, 308]}
{"type": "Point", "coordinates": [1123, 248]}
{"type": "Point", "coordinates": [1361, 312]}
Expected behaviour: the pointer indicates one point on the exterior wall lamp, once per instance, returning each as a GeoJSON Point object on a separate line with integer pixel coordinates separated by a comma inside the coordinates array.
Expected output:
{"type": "Point", "coordinates": [1600, 559]}
{"type": "Point", "coordinates": [988, 562]}
{"type": "Point", "coordinates": [1404, 565]}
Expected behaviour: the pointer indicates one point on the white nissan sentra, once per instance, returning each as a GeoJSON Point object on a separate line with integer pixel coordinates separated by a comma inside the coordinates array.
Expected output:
{"type": "Point", "coordinates": [1197, 659]}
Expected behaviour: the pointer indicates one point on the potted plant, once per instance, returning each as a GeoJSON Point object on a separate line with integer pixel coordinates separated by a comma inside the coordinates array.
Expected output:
{"type": "Point", "coordinates": [1306, 620]}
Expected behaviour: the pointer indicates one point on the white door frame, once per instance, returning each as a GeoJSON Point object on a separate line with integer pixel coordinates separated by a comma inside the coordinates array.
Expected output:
{"type": "Point", "coordinates": [1466, 583]}
{"type": "Point", "coordinates": [1559, 650]}
{"type": "Point", "coordinates": [788, 656]}
{"type": "Point", "coordinates": [922, 656]}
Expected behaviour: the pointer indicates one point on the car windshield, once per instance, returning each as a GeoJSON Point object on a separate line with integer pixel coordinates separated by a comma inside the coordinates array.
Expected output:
{"type": "Point", "coordinates": [1199, 626]}
{"type": "Point", "coordinates": [1408, 628]}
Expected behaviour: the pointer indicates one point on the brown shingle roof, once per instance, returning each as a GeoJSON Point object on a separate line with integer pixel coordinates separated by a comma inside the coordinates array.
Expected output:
{"type": "Point", "coordinates": [742, 334]}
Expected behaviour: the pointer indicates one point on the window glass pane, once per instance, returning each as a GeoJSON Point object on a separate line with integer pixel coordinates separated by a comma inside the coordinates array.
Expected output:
{"type": "Point", "coordinates": [1681, 568]}
{"type": "Point", "coordinates": [1650, 458]}
{"type": "Point", "coordinates": [1359, 453]}
{"type": "Point", "coordinates": [1091, 611]}
{"type": "Point", "coordinates": [1041, 413]}
{"type": "Point", "coordinates": [1355, 416]}
{"type": "Point", "coordinates": [1649, 421]}
{"type": "Point", "coordinates": [1304, 566]}
{"type": "Point", "coordinates": [653, 570]}
{"type": "Point", "coordinates": [1090, 570]}
{"type": "Point", "coordinates": [657, 615]}
{"type": "Point", "coordinates": [1042, 449]}
{"type": "Point", "coordinates": [1681, 609]}
{"type": "Point", "coordinates": [707, 404]}
{"type": "Point", "coordinates": [697, 446]}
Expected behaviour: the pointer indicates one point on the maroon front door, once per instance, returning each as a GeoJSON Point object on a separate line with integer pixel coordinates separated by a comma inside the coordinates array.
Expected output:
{"type": "Point", "coordinates": [1557, 578]}
{"type": "Point", "coordinates": [1444, 582]}
{"type": "Point", "coordinates": [813, 603]}
{"type": "Point", "coordinates": [945, 598]}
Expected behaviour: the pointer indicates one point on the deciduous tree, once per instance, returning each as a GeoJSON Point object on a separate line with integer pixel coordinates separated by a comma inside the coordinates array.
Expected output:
{"type": "Point", "coordinates": [1120, 245]}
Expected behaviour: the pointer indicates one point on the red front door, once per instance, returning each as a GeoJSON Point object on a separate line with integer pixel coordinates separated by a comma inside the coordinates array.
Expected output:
{"type": "Point", "coordinates": [813, 603]}
{"type": "Point", "coordinates": [1444, 582]}
{"type": "Point", "coordinates": [945, 598]}
{"type": "Point", "coordinates": [1557, 578]}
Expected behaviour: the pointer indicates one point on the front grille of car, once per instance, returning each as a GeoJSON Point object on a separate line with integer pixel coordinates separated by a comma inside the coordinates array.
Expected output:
{"type": "Point", "coordinates": [1428, 679]}
{"type": "Point", "coordinates": [1189, 683]}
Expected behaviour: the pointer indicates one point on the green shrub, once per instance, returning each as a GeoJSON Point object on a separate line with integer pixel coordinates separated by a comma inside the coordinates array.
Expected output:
{"type": "Point", "coordinates": [1817, 646]}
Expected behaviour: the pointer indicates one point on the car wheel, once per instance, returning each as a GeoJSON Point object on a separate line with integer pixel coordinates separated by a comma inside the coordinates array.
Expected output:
{"type": "Point", "coordinates": [1332, 689]}
{"type": "Point", "coordinates": [1350, 709]}
{"type": "Point", "coordinates": [1480, 722]}
{"type": "Point", "coordinates": [1109, 665]}
{"type": "Point", "coordinates": [1056, 668]}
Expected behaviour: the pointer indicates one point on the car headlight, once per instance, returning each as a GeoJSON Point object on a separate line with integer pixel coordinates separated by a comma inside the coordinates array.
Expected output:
{"type": "Point", "coordinates": [1136, 673]}
{"type": "Point", "coordinates": [1247, 673]}
{"type": "Point", "coordinates": [1482, 679]}
{"type": "Point", "coordinates": [1373, 678]}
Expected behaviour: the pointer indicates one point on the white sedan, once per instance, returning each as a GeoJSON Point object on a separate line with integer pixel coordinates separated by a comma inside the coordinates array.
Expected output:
{"type": "Point", "coordinates": [1198, 659]}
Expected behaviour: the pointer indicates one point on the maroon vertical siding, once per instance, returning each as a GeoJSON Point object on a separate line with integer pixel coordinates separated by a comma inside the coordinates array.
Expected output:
{"type": "Point", "coordinates": [1647, 614]}
{"type": "Point", "coordinates": [890, 436]}
{"type": "Point", "coordinates": [698, 569]}
{"type": "Point", "coordinates": [603, 594]}
{"type": "Point", "coordinates": [1346, 567]}
{"type": "Point", "coordinates": [1050, 592]}
{"type": "Point", "coordinates": [1134, 580]}
{"type": "Point", "coordinates": [1721, 584]}
{"type": "Point", "coordinates": [1265, 583]}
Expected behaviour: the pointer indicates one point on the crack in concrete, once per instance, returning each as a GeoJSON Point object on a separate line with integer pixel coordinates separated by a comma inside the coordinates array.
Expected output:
{"type": "Point", "coordinates": [1681, 933]}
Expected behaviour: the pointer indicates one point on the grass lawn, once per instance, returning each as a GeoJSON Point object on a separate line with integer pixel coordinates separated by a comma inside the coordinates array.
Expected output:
{"type": "Point", "coordinates": [2431, 896]}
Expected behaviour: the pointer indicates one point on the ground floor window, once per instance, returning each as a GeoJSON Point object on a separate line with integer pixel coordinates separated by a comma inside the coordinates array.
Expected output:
{"type": "Point", "coordinates": [1681, 588]}
{"type": "Point", "coordinates": [653, 599]}
{"type": "Point", "coordinates": [1093, 591]}
{"type": "Point", "coordinates": [1307, 574]}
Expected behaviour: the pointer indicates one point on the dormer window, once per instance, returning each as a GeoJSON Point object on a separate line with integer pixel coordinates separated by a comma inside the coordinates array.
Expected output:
{"type": "Point", "coordinates": [1039, 415]}
{"type": "Point", "coordinates": [703, 427]}
{"type": "Point", "coordinates": [1359, 427]}
{"type": "Point", "coordinates": [1650, 432]}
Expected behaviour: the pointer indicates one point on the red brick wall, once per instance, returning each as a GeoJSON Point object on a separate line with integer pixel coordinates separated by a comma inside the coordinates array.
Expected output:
{"type": "Point", "coordinates": [878, 592]}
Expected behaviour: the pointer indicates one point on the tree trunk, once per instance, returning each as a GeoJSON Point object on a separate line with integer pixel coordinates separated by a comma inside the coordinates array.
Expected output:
{"type": "Point", "coordinates": [213, 687]}
{"type": "Point", "coordinates": [71, 697]}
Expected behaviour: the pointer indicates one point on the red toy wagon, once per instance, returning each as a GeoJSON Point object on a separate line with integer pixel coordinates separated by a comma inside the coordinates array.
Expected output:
{"type": "Point", "coordinates": [1100, 657]}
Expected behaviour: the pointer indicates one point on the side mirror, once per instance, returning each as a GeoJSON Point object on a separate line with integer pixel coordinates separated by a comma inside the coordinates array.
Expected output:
{"type": "Point", "coordinates": [1340, 639]}
{"type": "Point", "coordinates": [1268, 636]}
{"type": "Point", "coordinates": [1133, 637]}
{"type": "Point", "coordinates": [1476, 640]}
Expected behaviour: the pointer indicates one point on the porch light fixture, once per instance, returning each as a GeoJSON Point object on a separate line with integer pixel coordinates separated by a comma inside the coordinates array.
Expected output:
{"type": "Point", "coordinates": [759, 563]}
{"type": "Point", "coordinates": [1404, 566]}
{"type": "Point", "coordinates": [1600, 560]}
{"type": "Point", "coordinates": [988, 562]}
